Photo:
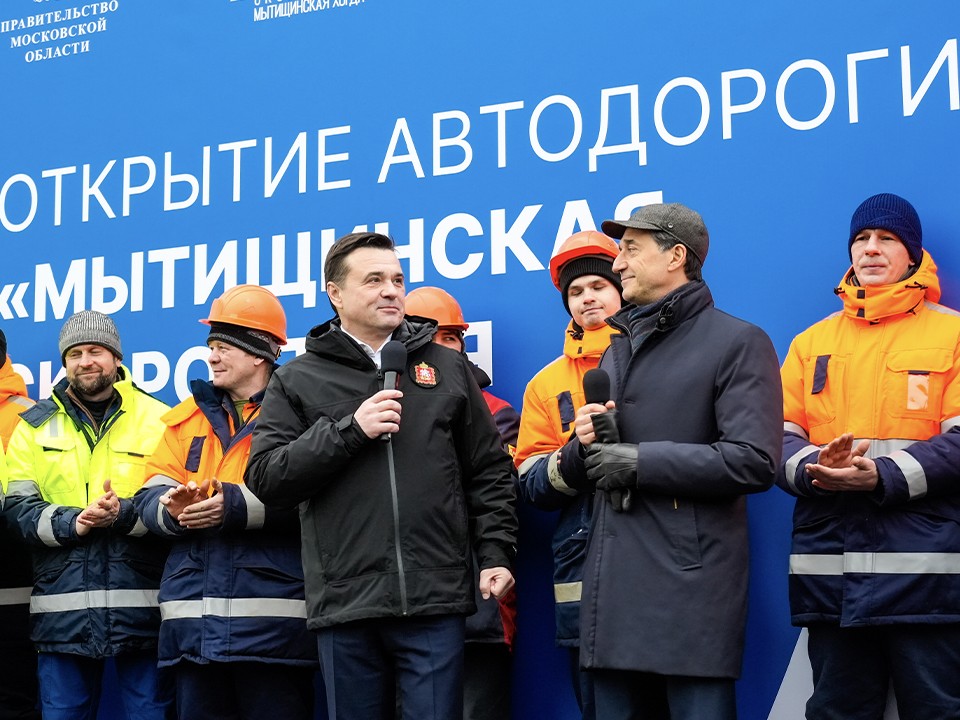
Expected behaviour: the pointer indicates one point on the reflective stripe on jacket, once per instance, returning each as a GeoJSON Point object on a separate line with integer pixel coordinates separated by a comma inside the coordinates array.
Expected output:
{"type": "Point", "coordinates": [233, 593]}
{"type": "Point", "coordinates": [94, 595]}
{"type": "Point", "coordinates": [887, 369]}
{"type": "Point", "coordinates": [550, 402]}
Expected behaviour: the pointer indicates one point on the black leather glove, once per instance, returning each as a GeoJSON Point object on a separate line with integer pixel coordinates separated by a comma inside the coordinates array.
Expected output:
{"type": "Point", "coordinates": [613, 467]}
{"type": "Point", "coordinates": [605, 427]}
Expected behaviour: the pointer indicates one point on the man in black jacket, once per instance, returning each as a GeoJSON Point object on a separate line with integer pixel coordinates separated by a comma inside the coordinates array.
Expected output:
{"type": "Point", "coordinates": [388, 507]}
{"type": "Point", "coordinates": [698, 411]}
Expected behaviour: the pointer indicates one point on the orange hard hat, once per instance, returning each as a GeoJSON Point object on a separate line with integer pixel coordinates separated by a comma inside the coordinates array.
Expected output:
{"type": "Point", "coordinates": [435, 304]}
{"type": "Point", "coordinates": [589, 243]}
{"type": "Point", "coordinates": [250, 306]}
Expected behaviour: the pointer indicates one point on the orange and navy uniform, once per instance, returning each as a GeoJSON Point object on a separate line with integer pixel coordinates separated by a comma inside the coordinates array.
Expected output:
{"type": "Point", "coordinates": [233, 593]}
{"type": "Point", "coordinates": [886, 369]}
{"type": "Point", "coordinates": [550, 403]}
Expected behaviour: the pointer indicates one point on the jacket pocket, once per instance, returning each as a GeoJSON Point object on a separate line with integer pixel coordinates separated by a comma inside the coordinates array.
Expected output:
{"type": "Point", "coordinates": [127, 463]}
{"type": "Point", "coordinates": [913, 384]}
{"type": "Point", "coordinates": [680, 521]}
{"type": "Point", "coordinates": [823, 381]}
{"type": "Point", "coordinates": [62, 481]}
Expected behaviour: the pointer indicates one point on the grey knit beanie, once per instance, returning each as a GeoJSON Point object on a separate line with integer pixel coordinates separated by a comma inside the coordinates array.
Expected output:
{"type": "Point", "coordinates": [89, 327]}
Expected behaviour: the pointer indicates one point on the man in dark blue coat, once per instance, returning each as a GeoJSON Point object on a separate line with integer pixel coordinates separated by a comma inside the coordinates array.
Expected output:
{"type": "Point", "coordinates": [697, 409]}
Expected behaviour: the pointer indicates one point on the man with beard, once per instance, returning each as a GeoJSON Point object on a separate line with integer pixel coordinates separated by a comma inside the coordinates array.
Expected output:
{"type": "Point", "coordinates": [73, 464]}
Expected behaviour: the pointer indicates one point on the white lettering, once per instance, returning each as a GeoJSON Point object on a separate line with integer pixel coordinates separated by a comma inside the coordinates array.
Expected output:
{"type": "Point", "coordinates": [299, 149]}
{"type": "Point", "coordinates": [501, 239]}
{"type": "Point", "coordinates": [438, 246]}
{"type": "Point", "coordinates": [225, 266]}
{"type": "Point", "coordinates": [727, 108]}
{"type": "Point", "coordinates": [167, 257]}
{"type": "Point", "coordinates": [535, 128]}
{"type": "Point", "coordinates": [169, 178]}
{"type": "Point", "coordinates": [662, 131]}
{"type": "Point", "coordinates": [32, 209]}
{"type": "Point", "coordinates": [948, 56]}
{"type": "Point", "coordinates": [400, 129]}
{"type": "Point", "coordinates": [236, 148]}
{"type": "Point", "coordinates": [458, 140]}
{"type": "Point", "coordinates": [57, 175]}
{"type": "Point", "coordinates": [46, 285]}
{"type": "Point", "coordinates": [635, 145]}
{"type": "Point", "coordinates": [852, 96]}
{"type": "Point", "coordinates": [323, 158]}
{"type": "Point", "coordinates": [831, 94]}
{"type": "Point", "coordinates": [501, 110]}
{"type": "Point", "coordinates": [100, 283]}
{"type": "Point", "coordinates": [129, 189]}
{"type": "Point", "coordinates": [89, 191]}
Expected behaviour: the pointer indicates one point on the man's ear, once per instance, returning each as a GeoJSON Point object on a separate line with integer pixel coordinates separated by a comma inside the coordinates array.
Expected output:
{"type": "Point", "coordinates": [335, 296]}
{"type": "Point", "coordinates": [679, 258]}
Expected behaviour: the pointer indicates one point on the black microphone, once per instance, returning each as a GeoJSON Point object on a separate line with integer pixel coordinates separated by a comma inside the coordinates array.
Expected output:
{"type": "Point", "coordinates": [393, 359]}
{"type": "Point", "coordinates": [596, 389]}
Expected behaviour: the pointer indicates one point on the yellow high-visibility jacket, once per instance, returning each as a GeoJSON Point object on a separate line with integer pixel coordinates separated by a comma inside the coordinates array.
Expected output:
{"type": "Point", "coordinates": [93, 595]}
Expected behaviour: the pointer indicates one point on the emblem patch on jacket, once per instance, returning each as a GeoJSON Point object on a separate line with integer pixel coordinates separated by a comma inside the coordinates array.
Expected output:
{"type": "Point", "coordinates": [425, 375]}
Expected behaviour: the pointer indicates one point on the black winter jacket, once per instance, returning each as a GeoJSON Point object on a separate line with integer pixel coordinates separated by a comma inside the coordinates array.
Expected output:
{"type": "Point", "coordinates": [372, 548]}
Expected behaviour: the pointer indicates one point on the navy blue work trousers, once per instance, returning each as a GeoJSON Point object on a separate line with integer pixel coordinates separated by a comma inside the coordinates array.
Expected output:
{"type": "Point", "coordinates": [364, 663]}
{"type": "Point", "coordinates": [626, 695]}
{"type": "Point", "coordinates": [852, 669]}
{"type": "Point", "coordinates": [71, 686]}
{"type": "Point", "coordinates": [243, 691]}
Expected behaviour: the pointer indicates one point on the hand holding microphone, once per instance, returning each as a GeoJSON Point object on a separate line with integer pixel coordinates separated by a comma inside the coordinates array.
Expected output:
{"type": "Point", "coordinates": [596, 390]}
{"type": "Point", "coordinates": [379, 415]}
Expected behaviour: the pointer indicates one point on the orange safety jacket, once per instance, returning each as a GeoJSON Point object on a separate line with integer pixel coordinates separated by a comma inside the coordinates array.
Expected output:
{"type": "Point", "coordinates": [550, 403]}
{"type": "Point", "coordinates": [13, 400]}
{"type": "Point", "coordinates": [887, 369]}
{"type": "Point", "coordinates": [232, 593]}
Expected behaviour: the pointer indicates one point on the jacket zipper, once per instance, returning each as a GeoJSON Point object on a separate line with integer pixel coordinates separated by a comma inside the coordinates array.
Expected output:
{"type": "Point", "coordinates": [396, 528]}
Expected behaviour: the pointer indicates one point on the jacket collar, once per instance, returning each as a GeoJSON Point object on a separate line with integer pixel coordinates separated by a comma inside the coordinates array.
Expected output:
{"type": "Point", "coordinates": [328, 341]}
{"type": "Point", "coordinates": [219, 410]}
{"type": "Point", "coordinates": [875, 303]}
{"type": "Point", "coordinates": [580, 343]}
{"type": "Point", "coordinates": [671, 310]}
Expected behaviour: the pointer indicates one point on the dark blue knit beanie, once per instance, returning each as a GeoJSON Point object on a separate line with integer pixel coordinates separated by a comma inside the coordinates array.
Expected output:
{"type": "Point", "coordinates": [889, 212]}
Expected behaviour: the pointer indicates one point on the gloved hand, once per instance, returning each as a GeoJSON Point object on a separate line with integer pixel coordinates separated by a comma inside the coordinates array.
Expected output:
{"type": "Point", "coordinates": [605, 427]}
{"type": "Point", "coordinates": [613, 466]}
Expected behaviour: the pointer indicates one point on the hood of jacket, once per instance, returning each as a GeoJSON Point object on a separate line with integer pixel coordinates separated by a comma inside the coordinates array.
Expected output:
{"type": "Point", "coordinates": [877, 302]}
{"type": "Point", "coordinates": [10, 382]}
